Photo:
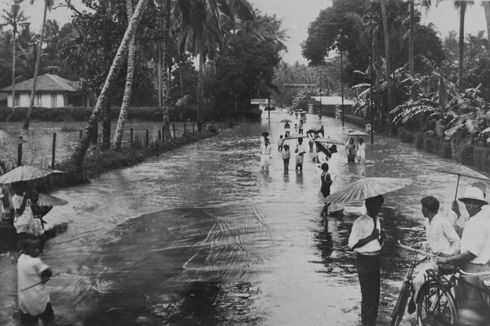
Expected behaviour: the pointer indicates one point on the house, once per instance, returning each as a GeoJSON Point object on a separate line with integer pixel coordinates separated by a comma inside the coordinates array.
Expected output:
{"type": "Point", "coordinates": [327, 105]}
{"type": "Point", "coordinates": [52, 91]}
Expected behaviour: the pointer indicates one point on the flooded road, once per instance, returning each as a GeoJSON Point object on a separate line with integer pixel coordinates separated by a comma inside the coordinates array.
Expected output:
{"type": "Point", "coordinates": [199, 236]}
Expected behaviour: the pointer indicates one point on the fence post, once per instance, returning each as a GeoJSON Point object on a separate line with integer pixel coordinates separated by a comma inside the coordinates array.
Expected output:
{"type": "Point", "coordinates": [53, 151]}
{"type": "Point", "coordinates": [147, 137]}
{"type": "Point", "coordinates": [132, 139]}
{"type": "Point", "coordinates": [19, 154]}
{"type": "Point", "coordinates": [173, 127]}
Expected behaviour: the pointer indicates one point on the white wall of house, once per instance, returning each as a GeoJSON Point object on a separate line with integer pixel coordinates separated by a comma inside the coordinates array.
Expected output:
{"type": "Point", "coordinates": [44, 100]}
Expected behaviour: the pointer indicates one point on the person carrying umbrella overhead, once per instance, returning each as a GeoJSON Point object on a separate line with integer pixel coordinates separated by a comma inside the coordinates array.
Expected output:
{"type": "Point", "coordinates": [366, 237]}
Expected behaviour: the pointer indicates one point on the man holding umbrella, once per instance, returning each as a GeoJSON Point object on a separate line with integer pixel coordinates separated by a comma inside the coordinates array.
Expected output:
{"type": "Point", "coordinates": [366, 240]}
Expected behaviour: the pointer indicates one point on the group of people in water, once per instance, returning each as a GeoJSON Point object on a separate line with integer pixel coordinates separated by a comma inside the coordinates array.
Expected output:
{"type": "Point", "coordinates": [22, 217]}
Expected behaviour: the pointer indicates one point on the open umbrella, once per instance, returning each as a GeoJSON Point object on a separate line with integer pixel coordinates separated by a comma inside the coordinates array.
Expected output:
{"type": "Point", "coordinates": [357, 133]}
{"type": "Point", "coordinates": [329, 141]}
{"type": "Point", "coordinates": [286, 121]}
{"type": "Point", "coordinates": [462, 171]}
{"type": "Point", "coordinates": [294, 137]}
{"type": "Point", "coordinates": [5, 138]}
{"type": "Point", "coordinates": [366, 188]}
{"type": "Point", "coordinates": [26, 173]}
{"type": "Point", "coordinates": [49, 200]}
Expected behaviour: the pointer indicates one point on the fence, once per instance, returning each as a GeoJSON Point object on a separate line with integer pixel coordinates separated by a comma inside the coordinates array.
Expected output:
{"type": "Point", "coordinates": [131, 137]}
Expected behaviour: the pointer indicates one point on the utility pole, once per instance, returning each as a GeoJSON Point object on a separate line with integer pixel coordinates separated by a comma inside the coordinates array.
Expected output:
{"type": "Point", "coordinates": [320, 77]}
{"type": "Point", "coordinates": [342, 86]}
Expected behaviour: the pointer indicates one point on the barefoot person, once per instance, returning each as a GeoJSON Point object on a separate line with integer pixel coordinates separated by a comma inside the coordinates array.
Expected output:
{"type": "Point", "coordinates": [300, 153]}
{"type": "Point", "coordinates": [326, 184]}
{"type": "Point", "coordinates": [32, 274]}
{"type": "Point", "coordinates": [365, 239]}
{"type": "Point", "coordinates": [350, 149]}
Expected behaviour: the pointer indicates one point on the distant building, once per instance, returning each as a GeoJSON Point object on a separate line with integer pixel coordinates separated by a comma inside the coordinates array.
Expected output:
{"type": "Point", "coordinates": [52, 91]}
{"type": "Point", "coordinates": [327, 105]}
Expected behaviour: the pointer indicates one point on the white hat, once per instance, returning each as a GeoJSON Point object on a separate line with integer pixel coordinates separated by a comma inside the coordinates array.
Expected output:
{"type": "Point", "coordinates": [473, 193]}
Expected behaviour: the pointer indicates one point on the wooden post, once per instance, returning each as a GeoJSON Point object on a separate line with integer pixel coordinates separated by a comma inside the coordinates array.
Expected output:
{"type": "Point", "coordinates": [173, 127]}
{"type": "Point", "coordinates": [193, 127]}
{"type": "Point", "coordinates": [81, 133]}
{"type": "Point", "coordinates": [159, 135]}
{"type": "Point", "coordinates": [53, 151]}
{"type": "Point", "coordinates": [147, 138]}
{"type": "Point", "coordinates": [19, 154]}
{"type": "Point", "coordinates": [163, 133]}
{"type": "Point", "coordinates": [132, 139]}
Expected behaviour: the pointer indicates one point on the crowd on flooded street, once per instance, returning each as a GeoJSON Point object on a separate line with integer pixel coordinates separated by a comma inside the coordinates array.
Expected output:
{"type": "Point", "coordinates": [460, 238]}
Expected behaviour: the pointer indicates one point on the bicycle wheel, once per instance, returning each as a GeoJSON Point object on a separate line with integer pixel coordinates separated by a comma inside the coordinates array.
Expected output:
{"type": "Point", "coordinates": [436, 306]}
{"type": "Point", "coordinates": [401, 304]}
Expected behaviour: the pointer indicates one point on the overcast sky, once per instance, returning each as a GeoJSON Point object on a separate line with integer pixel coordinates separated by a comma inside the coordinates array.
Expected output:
{"type": "Point", "coordinates": [296, 15]}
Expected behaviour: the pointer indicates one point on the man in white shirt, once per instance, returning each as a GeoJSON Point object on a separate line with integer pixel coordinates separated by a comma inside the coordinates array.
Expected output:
{"type": "Point", "coordinates": [300, 152]}
{"type": "Point", "coordinates": [442, 239]}
{"type": "Point", "coordinates": [365, 240]}
{"type": "Point", "coordinates": [475, 253]}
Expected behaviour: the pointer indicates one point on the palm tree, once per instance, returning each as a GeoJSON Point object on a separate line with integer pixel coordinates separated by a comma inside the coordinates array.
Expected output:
{"type": "Point", "coordinates": [81, 149]}
{"type": "Point", "coordinates": [461, 5]}
{"type": "Point", "coordinates": [47, 4]}
{"type": "Point", "coordinates": [123, 113]}
{"type": "Point", "coordinates": [14, 17]}
{"type": "Point", "coordinates": [486, 7]}
{"type": "Point", "coordinates": [203, 30]}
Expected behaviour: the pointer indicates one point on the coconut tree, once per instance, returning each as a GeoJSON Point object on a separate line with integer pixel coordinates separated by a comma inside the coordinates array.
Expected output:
{"type": "Point", "coordinates": [47, 5]}
{"type": "Point", "coordinates": [14, 17]}
{"type": "Point", "coordinates": [123, 113]}
{"type": "Point", "coordinates": [81, 148]}
{"type": "Point", "coordinates": [461, 5]}
{"type": "Point", "coordinates": [486, 7]}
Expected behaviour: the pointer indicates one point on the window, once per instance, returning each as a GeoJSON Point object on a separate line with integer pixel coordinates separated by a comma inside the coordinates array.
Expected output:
{"type": "Point", "coordinates": [54, 100]}
{"type": "Point", "coordinates": [39, 100]}
{"type": "Point", "coordinates": [17, 99]}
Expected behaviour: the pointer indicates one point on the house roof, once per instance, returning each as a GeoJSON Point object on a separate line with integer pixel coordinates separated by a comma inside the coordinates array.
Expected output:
{"type": "Point", "coordinates": [46, 83]}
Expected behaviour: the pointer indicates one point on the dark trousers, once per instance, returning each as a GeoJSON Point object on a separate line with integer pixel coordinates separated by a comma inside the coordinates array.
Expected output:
{"type": "Point", "coordinates": [369, 278]}
{"type": "Point", "coordinates": [286, 164]}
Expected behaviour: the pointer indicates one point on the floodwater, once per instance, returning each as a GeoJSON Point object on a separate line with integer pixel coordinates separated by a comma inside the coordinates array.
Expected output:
{"type": "Point", "coordinates": [38, 145]}
{"type": "Point", "coordinates": [198, 236]}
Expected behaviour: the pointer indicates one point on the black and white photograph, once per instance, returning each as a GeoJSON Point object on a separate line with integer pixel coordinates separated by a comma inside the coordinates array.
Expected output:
{"type": "Point", "coordinates": [245, 162]}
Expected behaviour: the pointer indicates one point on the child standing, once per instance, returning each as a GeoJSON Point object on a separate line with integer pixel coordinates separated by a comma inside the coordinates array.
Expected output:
{"type": "Point", "coordinates": [32, 274]}
{"type": "Point", "coordinates": [286, 155]}
{"type": "Point", "coordinates": [326, 184]}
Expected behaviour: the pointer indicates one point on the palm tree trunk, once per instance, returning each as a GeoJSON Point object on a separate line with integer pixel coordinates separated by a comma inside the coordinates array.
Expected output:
{"type": "Point", "coordinates": [411, 39]}
{"type": "Point", "coordinates": [462, 12]}
{"type": "Point", "coordinates": [389, 82]}
{"type": "Point", "coordinates": [118, 134]}
{"type": "Point", "coordinates": [486, 7]}
{"type": "Point", "coordinates": [81, 149]}
{"type": "Point", "coordinates": [159, 73]}
{"type": "Point", "coordinates": [27, 122]}
{"type": "Point", "coordinates": [106, 125]}
{"type": "Point", "coordinates": [166, 63]}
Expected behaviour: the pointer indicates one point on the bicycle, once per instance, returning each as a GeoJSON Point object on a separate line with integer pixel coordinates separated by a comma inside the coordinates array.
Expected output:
{"type": "Point", "coordinates": [407, 290]}
{"type": "Point", "coordinates": [436, 302]}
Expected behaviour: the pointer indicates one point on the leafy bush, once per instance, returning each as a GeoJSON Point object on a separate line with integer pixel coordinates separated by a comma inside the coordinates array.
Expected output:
{"type": "Point", "coordinates": [253, 114]}
{"type": "Point", "coordinates": [406, 136]}
{"type": "Point", "coordinates": [431, 145]}
{"type": "Point", "coordinates": [445, 150]}
{"type": "Point", "coordinates": [464, 155]}
{"type": "Point", "coordinates": [481, 158]}
{"type": "Point", "coordinates": [419, 141]}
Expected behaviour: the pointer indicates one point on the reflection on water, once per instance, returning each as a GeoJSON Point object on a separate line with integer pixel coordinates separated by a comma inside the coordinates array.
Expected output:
{"type": "Point", "coordinates": [199, 236]}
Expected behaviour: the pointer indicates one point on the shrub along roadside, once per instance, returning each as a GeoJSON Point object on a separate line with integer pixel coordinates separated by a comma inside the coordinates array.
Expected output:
{"type": "Point", "coordinates": [474, 156]}
{"type": "Point", "coordinates": [99, 162]}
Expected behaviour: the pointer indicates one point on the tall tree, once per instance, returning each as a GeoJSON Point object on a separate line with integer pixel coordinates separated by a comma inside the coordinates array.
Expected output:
{"type": "Point", "coordinates": [486, 7]}
{"type": "Point", "coordinates": [14, 17]}
{"type": "Point", "coordinates": [47, 5]}
{"type": "Point", "coordinates": [123, 113]}
{"type": "Point", "coordinates": [461, 5]}
{"type": "Point", "coordinates": [81, 149]}
{"type": "Point", "coordinates": [411, 39]}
